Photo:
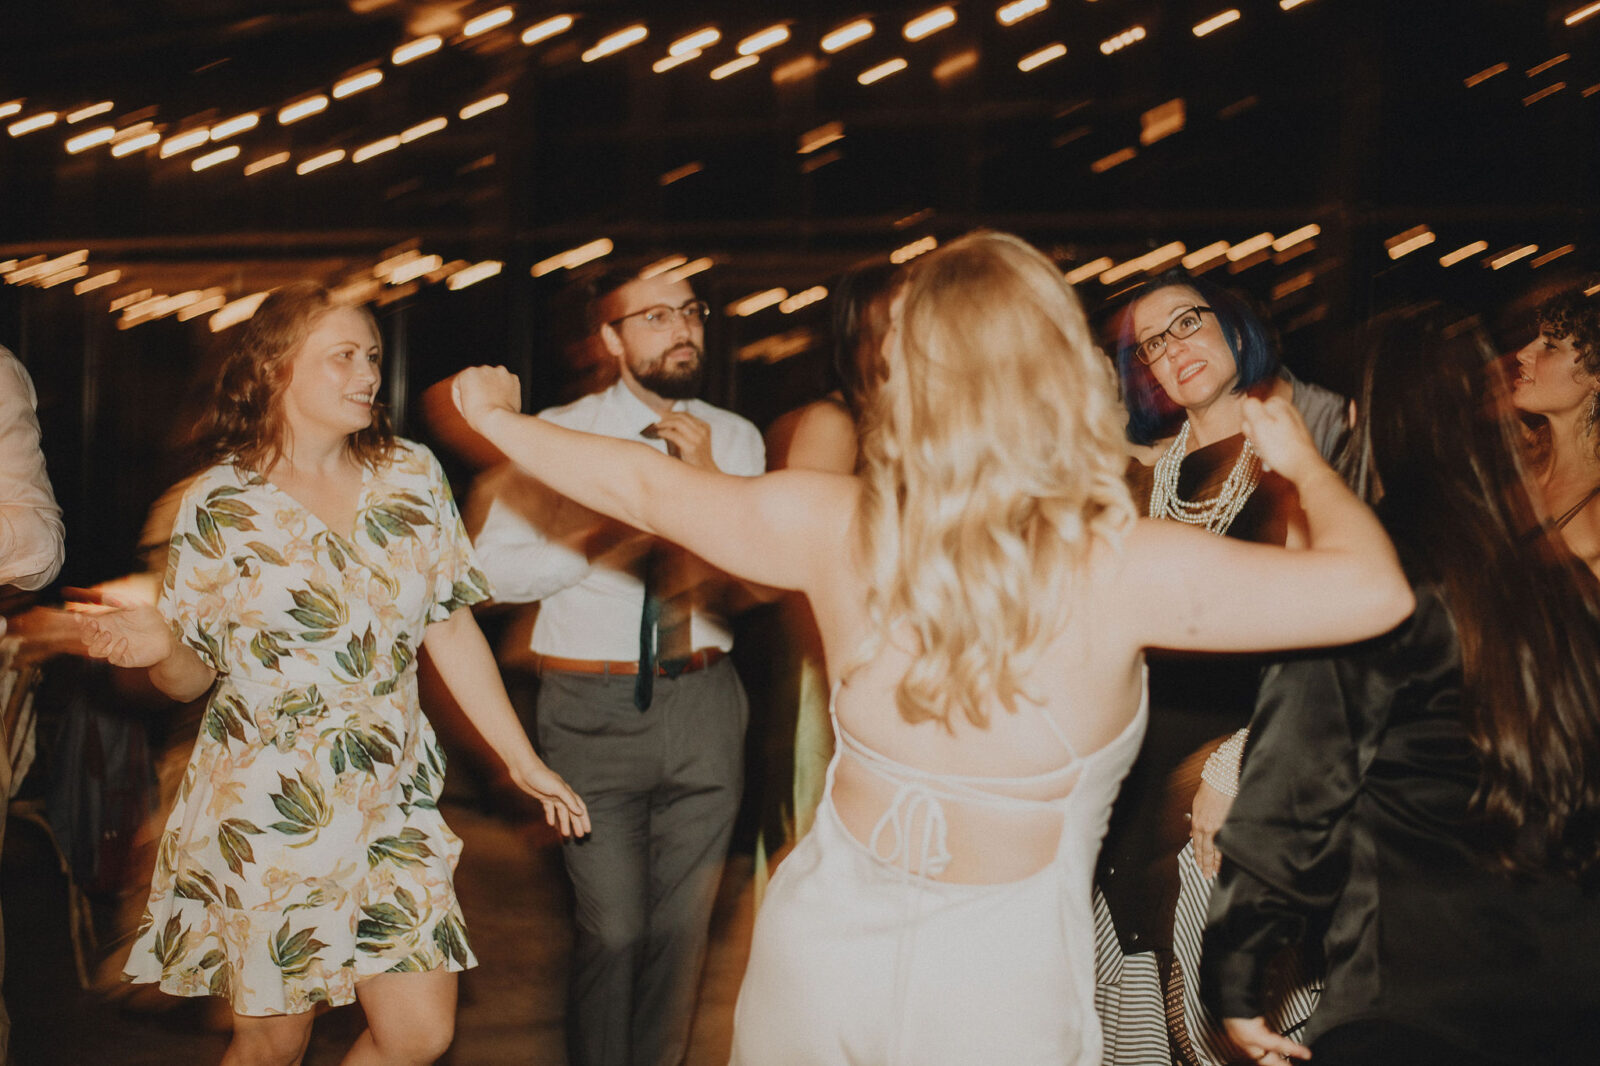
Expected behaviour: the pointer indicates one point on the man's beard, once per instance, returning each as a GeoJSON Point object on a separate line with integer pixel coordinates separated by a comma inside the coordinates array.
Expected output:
{"type": "Point", "coordinates": [674, 382]}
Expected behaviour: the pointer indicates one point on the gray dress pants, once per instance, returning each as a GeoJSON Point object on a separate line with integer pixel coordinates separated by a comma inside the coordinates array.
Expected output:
{"type": "Point", "coordinates": [662, 787]}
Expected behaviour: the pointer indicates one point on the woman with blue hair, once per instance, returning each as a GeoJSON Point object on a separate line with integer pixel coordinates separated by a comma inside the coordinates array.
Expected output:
{"type": "Point", "coordinates": [1189, 354]}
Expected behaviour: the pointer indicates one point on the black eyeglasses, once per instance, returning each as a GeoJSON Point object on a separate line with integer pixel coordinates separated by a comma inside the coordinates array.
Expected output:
{"type": "Point", "coordinates": [1186, 324]}
{"type": "Point", "coordinates": [661, 317]}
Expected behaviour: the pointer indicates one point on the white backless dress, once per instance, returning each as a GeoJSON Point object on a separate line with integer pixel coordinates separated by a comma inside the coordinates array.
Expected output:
{"type": "Point", "coordinates": [861, 955]}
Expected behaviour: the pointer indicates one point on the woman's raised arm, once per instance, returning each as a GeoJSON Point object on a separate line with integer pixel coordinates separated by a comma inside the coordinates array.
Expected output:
{"type": "Point", "coordinates": [778, 529]}
{"type": "Point", "coordinates": [1185, 588]}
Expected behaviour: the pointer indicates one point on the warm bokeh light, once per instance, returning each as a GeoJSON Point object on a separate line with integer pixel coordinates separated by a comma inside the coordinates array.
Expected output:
{"type": "Point", "coordinates": [239, 124]}
{"type": "Point", "coordinates": [99, 281]}
{"type": "Point", "coordinates": [1131, 35]}
{"type": "Point", "coordinates": [661, 266]}
{"type": "Point", "coordinates": [1299, 236]}
{"type": "Point", "coordinates": [211, 159]}
{"type": "Point", "coordinates": [734, 66]}
{"type": "Point", "coordinates": [1249, 246]}
{"type": "Point", "coordinates": [1200, 257]}
{"type": "Point", "coordinates": [1466, 251]}
{"type": "Point", "coordinates": [1092, 269]}
{"type": "Point", "coordinates": [1217, 21]}
{"type": "Point", "coordinates": [489, 20]}
{"type": "Point", "coordinates": [1581, 13]}
{"type": "Point", "coordinates": [376, 148]}
{"type": "Point", "coordinates": [848, 34]}
{"type": "Point", "coordinates": [84, 141]}
{"type": "Point", "coordinates": [422, 129]}
{"type": "Point", "coordinates": [1402, 244]}
{"type": "Point", "coordinates": [615, 43]}
{"type": "Point", "coordinates": [266, 163]}
{"type": "Point", "coordinates": [356, 83]}
{"type": "Point", "coordinates": [318, 162]}
{"type": "Point", "coordinates": [757, 43]}
{"type": "Point", "coordinates": [572, 257]}
{"type": "Point", "coordinates": [757, 301]}
{"type": "Point", "coordinates": [413, 50]}
{"type": "Point", "coordinates": [488, 103]}
{"type": "Point", "coordinates": [1035, 60]}
{"type": "Point", "coordinates": [10, 107]}
{"type": "Point", "coordinates": [471, 275]}
{"type": "Point", "coordinates": [820, 137]}
{"type": "Point", "coordinates": [696, 42]}
{"type": "Point", "coordinates": [689, 269]}
{"type": "Point", "coordinates": [881, 71]}
{"type": "Point", "coordinates": [300, 109]}
{"type": "Point", "coordinates": [907, 252]}
{"type": "Point", "coordinates": [85, 113]}
{"type": "Point", "coordinates": [930, 22]}
{"type": "Point", "coordinates": [677, 59]}
{"type": "Point", "coordinates": [1013, 13]}
{"type": "Point", "coordinates": [543, 31]}
{"type": "Point", "coordinates": [184, 141]}
{"type": "Point", "coordinates": [804, 298]}
{"type": "Point", "coordinates": [43, 120]}
{"type": "Point", "coordinates": [1506, 258]}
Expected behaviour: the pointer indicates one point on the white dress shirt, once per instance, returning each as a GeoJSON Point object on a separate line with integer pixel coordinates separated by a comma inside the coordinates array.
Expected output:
{"type": "Point", "coordinates": [31, 534]}
{"type": "Point", "coordinates": [588, 610]}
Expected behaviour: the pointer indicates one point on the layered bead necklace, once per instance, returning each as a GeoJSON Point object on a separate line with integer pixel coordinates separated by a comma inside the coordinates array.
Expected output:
{"type": "Point", "coordinates": [1215, 515]}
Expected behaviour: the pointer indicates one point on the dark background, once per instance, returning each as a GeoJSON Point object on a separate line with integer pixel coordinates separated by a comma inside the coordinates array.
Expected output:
{"type": "Point", "coordinates": [1354, 115]}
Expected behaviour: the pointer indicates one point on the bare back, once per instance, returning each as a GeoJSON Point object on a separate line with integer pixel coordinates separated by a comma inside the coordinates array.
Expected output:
{"type": "Point", "coordinates": [1086, 688]}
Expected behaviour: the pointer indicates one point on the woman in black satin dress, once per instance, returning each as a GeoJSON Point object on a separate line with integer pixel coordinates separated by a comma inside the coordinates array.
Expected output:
{"type": "Point", "coordinates": [1428, 803]}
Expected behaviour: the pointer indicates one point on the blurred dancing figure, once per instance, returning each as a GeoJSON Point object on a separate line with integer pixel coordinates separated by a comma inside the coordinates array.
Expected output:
{"type": "Point", "coordinates": [1429, 803]}
{"type": "Point", "coordinates": [306, 862]}
{"type": "Point", "coordinates": [638, 706]}
{"type": "Point", "coordinates": [825, 436]}
{"type": "Point", "coordinates": [1190, 353]}
{"type": "Point", "coordinates": [1558, 388]}
{"type": "Point", "coordinates": [32, 540]}
{"type": "Point", "coordinates": [32, 537]}
{"type": "Point", "coordinates": [988, 595]}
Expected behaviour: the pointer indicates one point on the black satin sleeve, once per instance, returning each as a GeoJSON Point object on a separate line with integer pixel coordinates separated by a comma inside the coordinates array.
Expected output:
{"type": "Point", "coordinates": [1287, 838]}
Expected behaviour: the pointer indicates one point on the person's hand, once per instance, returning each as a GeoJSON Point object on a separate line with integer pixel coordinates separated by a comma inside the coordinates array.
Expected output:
{"type": "Point", "coordinates": [1210, 810]}
{"type": "Point", "coordinates": [1262, 1044]}
{"type": "Point", "coordinates": [689, 435]}
{"type": "Point", "coordinates": [479, 391]}
{"type": "Point", "coordinates": [129, 635]}
{"type": "Point", "coordinates": [562, 807]}
{"type": "Point", "coordinates": [1280, 437]}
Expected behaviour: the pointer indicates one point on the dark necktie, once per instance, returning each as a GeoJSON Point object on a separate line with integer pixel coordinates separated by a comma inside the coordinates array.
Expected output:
{"type": "Point", "coordinates": [664, 637]}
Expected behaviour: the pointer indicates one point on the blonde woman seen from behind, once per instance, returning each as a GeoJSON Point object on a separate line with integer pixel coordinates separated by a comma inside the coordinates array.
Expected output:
{"type": "Point", "coordinates": [988, 595]}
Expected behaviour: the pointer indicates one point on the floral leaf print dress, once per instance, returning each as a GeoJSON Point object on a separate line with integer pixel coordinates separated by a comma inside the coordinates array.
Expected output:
{"type": "Point", "coordinates": [305, 851]}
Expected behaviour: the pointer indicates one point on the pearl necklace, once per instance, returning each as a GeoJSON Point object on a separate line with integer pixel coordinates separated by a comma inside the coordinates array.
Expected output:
{"type": "Point", "coordinates": [1215, 515]}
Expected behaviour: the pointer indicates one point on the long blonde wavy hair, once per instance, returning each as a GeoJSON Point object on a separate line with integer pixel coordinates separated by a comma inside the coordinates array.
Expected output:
{"type": "Point", "coordinates": [993, 458]}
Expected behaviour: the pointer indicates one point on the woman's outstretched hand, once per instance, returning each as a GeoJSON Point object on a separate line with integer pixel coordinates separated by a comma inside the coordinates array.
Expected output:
{"type": "Point", "coordinates": [562, 807]}
{"type": "Point", "coordinates": [1280, 437]}
{"type": "Point", "coordinates": [479, 391]}
{"type": "Point", "coordinates": [1262, 1044]}
{"type": "Point", "coordinates": [130, 635]}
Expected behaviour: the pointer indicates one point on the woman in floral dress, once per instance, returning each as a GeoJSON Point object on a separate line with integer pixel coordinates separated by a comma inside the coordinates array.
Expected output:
{"type": "Point", "coordinates": [306, 861]}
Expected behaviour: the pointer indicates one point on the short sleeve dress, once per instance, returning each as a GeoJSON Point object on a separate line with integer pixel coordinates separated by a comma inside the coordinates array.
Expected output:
{"type": "Point", "coordinates": [306, 850]}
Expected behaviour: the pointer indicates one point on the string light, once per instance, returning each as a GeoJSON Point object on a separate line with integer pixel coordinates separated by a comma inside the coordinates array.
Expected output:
{"type": "Point", "coordinates": [413, 50]}
{"type": "Point", "coordinates": [1035, 60]}
{"type": "Point", "coordinates": [543, 31]}
{"type": "Point", "coordinates": [489, 20]}
{"type": "Point", "coordinates": [1013, 13]}
{"type": "Point", "coordinates": [881, 71]}
{"type": "Point", "coordinates": [615, 43]}
{"type": "Point", "coordinates": [356, 83]}
{"type": "Point", "coordinates": [1217, 21]}
{"type": "Point", "coordinates": [848, 34]}
{"type": "Point", "coordinates": [930, 22]}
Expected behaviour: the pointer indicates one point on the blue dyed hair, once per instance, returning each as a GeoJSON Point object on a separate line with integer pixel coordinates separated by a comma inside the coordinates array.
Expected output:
{"type": "Point", "coordinates": [1151, 415]}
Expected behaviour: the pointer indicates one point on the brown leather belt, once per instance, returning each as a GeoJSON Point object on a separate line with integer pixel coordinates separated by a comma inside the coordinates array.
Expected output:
{"type": "Point", "coordinates": [542, 663]}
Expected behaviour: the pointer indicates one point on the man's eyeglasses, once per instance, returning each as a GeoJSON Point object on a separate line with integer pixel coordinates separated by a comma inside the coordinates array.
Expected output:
{"type": "Point", "coordinates": [1186, 324]}
{"type": "Point", "coordinates": [661, 317]}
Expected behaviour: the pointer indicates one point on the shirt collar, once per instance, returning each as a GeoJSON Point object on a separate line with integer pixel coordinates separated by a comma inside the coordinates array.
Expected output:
{"type": "Point", "coordinates": [633, 411]}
